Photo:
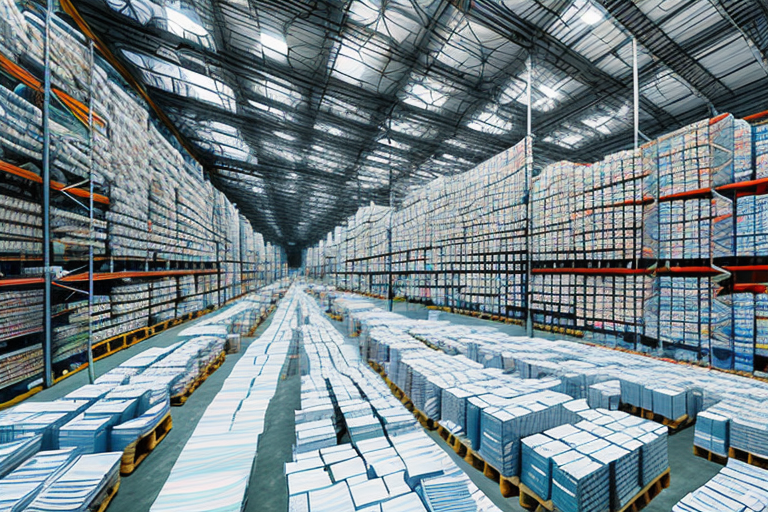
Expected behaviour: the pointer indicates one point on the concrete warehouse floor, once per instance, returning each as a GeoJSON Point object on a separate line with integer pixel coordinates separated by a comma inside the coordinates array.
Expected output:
{"type": "Point", "coordinates": [268, 490]}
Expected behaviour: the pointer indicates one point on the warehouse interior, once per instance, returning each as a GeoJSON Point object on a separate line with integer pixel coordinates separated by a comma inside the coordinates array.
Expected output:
{"type": "Point", "coordinates": [384, 255]}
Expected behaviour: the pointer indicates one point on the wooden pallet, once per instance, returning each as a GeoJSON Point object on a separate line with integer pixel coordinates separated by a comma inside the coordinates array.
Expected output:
{"type": "Point", "coordinates": [138, 450]}
{"type": "Point", "coordinates": [530, 501]}
{"type": "Point", "coordinates": [710, 456]}
{"type": "Point", "coordinates": [100, 504]}
{"type": "Point", "coordinates": [749, 458]}
{"type": "Point", "coordinates": [181, 399]}
{"type": "Point", "coordinates": [674, 426]}
{"type": "Point", "coordinates": [649, 492]}
{"type": "Point", "coordinates": [424, 420]}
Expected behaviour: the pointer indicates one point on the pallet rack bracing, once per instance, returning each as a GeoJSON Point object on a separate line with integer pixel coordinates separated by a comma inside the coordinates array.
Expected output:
{"type": "Point", "coordinates": [157, 220]}
{"type": "Point", "coordinates": [658, 250]}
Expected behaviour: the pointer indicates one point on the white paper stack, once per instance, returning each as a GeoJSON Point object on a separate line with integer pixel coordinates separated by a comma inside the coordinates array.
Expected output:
{"type": "Point", "coordinates": [20, 487]}
{"type": "Point", "coordinates": [81, 485]}
{"type": "Point", "coordinates": [214, 468]}
{"type": "Point", "coordinates": [90, 435]}
{"type": "Point", "coordinates": [127, 432]}
{"type": "Point", "coordinates": [738, 486]}
{"type": "Point", "coordinates": [14, 453]}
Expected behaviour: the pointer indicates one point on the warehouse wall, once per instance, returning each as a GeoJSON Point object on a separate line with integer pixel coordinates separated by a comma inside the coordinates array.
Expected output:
{"type": "Point", "coordinates": [659, 250]}
{"type": "Point", "coordinates": [155, 210]}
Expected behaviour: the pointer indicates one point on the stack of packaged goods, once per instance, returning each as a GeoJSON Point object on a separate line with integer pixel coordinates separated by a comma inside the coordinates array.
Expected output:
{"type": "Point", "coordinates": [81, 485]}
{"type": "Point", "coordinates": [684, 313]}
{"type": "Point", "coordinates": [20, 226]}
{"type": "Point", "coordinates": [163, 295]}
{"type": "Point", "coordinates": [71, 338]}
{"type": "Point", "coordinates": [21, 364]}
{"type": "Point", "coordinates": [612, 305]}
{"type": "Point", "coordinates": [608, 213]}
{"type": "Point", "coordinates": [62, 479]}
{"type": "Point", "coordinates": [752, 225]}
{"type": "Point", "coordinates": [553, 197]}
{"type": "Point", "coordinates": [394, 466]}
{"type": "Point", "coordinates": [135, 165]}
{"type": "Point", "coordinates": [194, 221]}
{"type": "Point", "coordinates": [130, 308]}
{"type": "Point", "coordinates": [20, 314]}
{"type": "Point", "coordinates": [738, 486]}
{"type": "Point", "coordinates": [600, 463]}
{"type": "Point", "coordinates": [223, 447]}
{"type": "Point", "coordinates": [552, 299]}
{"type": "Point", "coordinates": [190, 300]}
{"type": "Point", "coordinates": [15, 453]}
{"type": "Point", "coordinates": [760, 137]}
{"type": "Point", "coordinates": [162, 216]}
{"type": "Point", "coordinates": [73, 234]}
{"type": "Point", "coordinates": [208, 290]}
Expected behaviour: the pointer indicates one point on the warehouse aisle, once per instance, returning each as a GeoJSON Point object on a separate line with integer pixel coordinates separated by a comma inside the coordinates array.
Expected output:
{"type": "Point", "coordinates": [268, 491]}
{"type": "Point", "coordinates": [139, 490]}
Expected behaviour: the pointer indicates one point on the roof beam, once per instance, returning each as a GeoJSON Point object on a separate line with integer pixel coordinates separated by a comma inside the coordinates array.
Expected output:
{"type": "Point", "coordinates": [750, 18]}
{"type": "Point", "coordinates": [666, 49]}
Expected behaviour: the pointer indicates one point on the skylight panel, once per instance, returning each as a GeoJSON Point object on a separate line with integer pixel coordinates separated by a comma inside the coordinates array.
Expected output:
{"type": "Point", "coordinates": [414, 129]}
{"type": "Point", "coordinates": [279, 93]}
{"type": "Point", "coordinates": [425, 95]}
{"type": "Point", "coordinates": [591, 16]}
{"type": "Point", "coordinates": [549, 91]}
{"type": "Point", "coordinates": [184, 26]}
{"type": "Point", "coordinates": [284, 136]}
{"type": "Point", "coordinates": [223, 140]}
{"type": "Point", "coordinates": [345, 109]}
{"type": "Point", "coordinates": [183, 82]}
{"type": "Point", "coordinates": [330, 129]}
{"type": "Point", "coordinates": [273, 112]}
{"type": "Point", "coordinates": [490, 122]}
{"type": "Point", "coordinates": [274, 46]}
{"type": "Point", "coordinates": [598, 123]}
{"type": "Point", "coordinates": [366, 63]}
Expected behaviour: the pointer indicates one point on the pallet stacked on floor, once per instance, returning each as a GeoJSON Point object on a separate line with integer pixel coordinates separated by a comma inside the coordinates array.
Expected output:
{"type": "Point", "coordinates": [729, 410]}
{"type": "Point", "coordinates": [525, 433]}
{"type": "Point", "coordinates": [737, 487]}
{"type": "Point", "coordinates": [152, 208]}
{"type": "Point", "coordinates": [660, 250]}
{"type": "Point", "coordinates": [389, 462]}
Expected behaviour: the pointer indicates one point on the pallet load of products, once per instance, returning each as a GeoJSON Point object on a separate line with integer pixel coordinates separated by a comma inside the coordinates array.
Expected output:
{"type": "Point", "coordinates": [738, 486]}
{"type": "Point", "coordinates": [107, 418]}
{"type": "Point", "coordinates": [676, 393]}
{"type": "Point", "coordinates": [389, 463]}
{"type": "Point", "coordinates": [456, 242]}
